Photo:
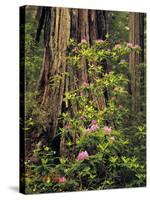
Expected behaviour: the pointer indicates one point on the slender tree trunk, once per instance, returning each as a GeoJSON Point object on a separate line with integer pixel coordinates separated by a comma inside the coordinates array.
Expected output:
{"type": "Point", "coordinates": [136, 37]}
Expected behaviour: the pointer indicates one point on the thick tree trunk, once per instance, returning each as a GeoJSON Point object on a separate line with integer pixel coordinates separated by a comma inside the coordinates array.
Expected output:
{"type": "Point", "coordinates": [136, 37]}
{"type": "Point", "coordinates": [57, 33]}
{"type": "Point", "coordinates": [60, 24]}
{"type": "Point", "coordinates": [88, 25]}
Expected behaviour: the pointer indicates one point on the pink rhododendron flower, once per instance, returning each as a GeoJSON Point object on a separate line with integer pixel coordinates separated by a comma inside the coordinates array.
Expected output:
{"type": "Point", "coordinates": [122, 61]}
{"type": "Point", "coordinates": [62, 179]}
{"type": "Point", "coordinates": [66, 126]}
{"type": "Point", "coordinates": [83, 41]}
{"type": "Point", "coordinates": [94, 121]}
{"type": "Point", "coordinates": [107, 129]}
{"type": "Point", "coordinates": [117, 46]}
{"type": "Point", "coordinates": [120, 106]}
{"type": "Point", "coordinates": [82, 155]}
{"type": "Point", "coordinates": [59, 179]}
{"type": "Point", "coordinates": [94, 127]}
{"type": "Point", "coordinates": [81, 93]}
{"type": "Point", "coordinates": [85, 84]}
{"type": "Point", "coordinates": [82, 117]}
{"type": "Point", "coordinates": [99, 41]}
{"type": "Point", "coordinates": [113, 98]}
{"type": "Point", "coordinates": [130, 45]}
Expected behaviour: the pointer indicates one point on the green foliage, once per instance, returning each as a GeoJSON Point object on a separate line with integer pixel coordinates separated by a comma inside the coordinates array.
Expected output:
{"type": "Point", "coordinates": [118, 26]}
{"type": "Point", "coordinates": [105, 167]}
{"type": "Point", "coordinates": [37, 176]}
{"type": "Point", "coordinates": [97, 156]}
{"type": "Point", "coordinates": [33, 58]}
{"type": "Point", "coordinates": [38, 114]}
{"type": "Point", "coordinates": [33, 63]}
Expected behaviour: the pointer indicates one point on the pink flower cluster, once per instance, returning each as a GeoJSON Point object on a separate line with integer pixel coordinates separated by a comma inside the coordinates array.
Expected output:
{"type": "Point", "coordinates": [107, 130]}
{"type": "Point", "coordinates": [99, 41]}
{"type": "Point", "coordinates": [94, 121]}
{"type": "Point", "coordinates": [82, 155]}
{"type": "Point", "coordinates": [113, 98]}
{"type": "Point", "coordinates": [81, 94]}
{"type": "Point", "coordinates": [59, 179]}
{"type": "Point", "coordinates": [136, 46]}
{"type": "Point", "coordinates": [84, 41]}
{"type": "Point", "coordinates": [122, 61]}
{"type": "Point", "coordinates": [82, 118]}
{"type": "Point", "coordinates": [62, 179]}
{"type": "Point", "coordinates": [85, 84]}
{"type": "Point", "coordinates": [94, 127]}
{"type": "Point", "coordinates": [118, 46]}
{"type": "Point", "coordinates": [121, 106]}
{"type": "Point", "coordinates": [66, 126]}
{"type": "Point", "coordinates": [130, 45]}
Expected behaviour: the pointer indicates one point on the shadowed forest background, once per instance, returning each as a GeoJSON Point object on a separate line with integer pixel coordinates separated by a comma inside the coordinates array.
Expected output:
{"type": "Point", "coordinates": [83, 99]}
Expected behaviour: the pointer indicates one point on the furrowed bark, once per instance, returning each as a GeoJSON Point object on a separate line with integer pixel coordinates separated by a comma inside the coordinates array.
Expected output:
{"type": "Point", "coordinates": [136, 37]}
{"type": "Point", "coordinates": [61, 24]}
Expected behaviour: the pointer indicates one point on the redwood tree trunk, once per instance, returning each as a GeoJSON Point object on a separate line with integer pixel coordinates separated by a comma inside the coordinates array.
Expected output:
{"type": "Point", "coordinates": [60, 24]}
{"type": "Point", "coordinates": [136, 37]}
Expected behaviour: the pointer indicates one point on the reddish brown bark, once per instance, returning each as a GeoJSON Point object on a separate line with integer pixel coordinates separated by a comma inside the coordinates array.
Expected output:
{"type": "Point", "coordinates": [60, 25]}
{"type": "Point", "coordinates": [136, 37]}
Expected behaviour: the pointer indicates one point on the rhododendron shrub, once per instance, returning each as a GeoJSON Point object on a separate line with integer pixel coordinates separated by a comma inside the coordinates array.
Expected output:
{"type": "Point", "coordinates": [97, 150]}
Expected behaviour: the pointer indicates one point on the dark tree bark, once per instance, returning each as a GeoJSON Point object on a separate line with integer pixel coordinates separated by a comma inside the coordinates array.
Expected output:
{"type": "Point", "coordinates": [40, 17]}
{"type": "Point", "coordinates": [61, 24]}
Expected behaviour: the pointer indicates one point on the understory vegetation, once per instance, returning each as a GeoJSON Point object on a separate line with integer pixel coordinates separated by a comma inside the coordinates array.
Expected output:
{"type": "Point", "coordinates": [100, 141]}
